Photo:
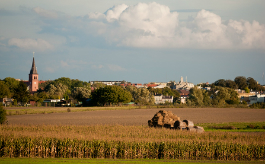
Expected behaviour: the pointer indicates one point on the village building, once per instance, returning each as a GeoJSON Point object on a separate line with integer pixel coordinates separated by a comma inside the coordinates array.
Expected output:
{"type": "Point", "coordinates": [182, 85]}
{"type": "Point", "coordinates": [161, 99]}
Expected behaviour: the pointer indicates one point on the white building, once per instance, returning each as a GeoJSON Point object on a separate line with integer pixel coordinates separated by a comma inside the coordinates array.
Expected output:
{"type": "Point", "coordinates": [257, 98]}
{"type": "Point", "coordinates": [183, 85]}
{"type": "Point", "coordinates": [161, 99]}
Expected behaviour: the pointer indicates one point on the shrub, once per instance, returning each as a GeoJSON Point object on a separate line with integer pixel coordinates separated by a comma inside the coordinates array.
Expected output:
{"type": "Point", "coordinates": [2, 114]}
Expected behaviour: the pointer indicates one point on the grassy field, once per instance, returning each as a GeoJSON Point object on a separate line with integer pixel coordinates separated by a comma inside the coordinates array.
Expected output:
{"type": "Point", "coordinates": [234, 126]}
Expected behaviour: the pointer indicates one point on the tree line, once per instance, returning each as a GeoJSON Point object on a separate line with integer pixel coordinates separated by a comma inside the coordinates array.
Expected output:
{"type": "Point", "coordinates": [240, 82]}
{"type": "Point", "coordinates": [222, 92]}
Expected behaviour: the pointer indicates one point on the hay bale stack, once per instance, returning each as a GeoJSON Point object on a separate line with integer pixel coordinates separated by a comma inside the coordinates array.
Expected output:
{"type": "Point", "coordinates": [169, 120]}
{"type": "Point", "coordinates": [163, 119]}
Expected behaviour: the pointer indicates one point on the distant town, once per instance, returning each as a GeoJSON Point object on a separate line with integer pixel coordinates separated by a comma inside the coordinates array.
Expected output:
{"type": "Point", "coordinates": [73, 92]}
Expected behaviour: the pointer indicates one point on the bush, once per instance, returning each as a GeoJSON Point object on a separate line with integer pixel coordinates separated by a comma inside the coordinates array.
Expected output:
{"type": "Point", "coordinates": [2, 114]}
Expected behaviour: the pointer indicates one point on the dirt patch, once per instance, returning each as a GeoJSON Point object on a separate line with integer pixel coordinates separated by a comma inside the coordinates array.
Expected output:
{"type": "Point", "coordinates": [140, 116]}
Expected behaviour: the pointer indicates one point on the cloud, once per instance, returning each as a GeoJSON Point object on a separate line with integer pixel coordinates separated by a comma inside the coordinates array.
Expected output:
{"type": "Point", "coordinates": [30, 44]}
{"type": "Point", "coordinates": [115, 12]}
{"type": "Point", "coordinates": [64, 64]}
{"type": "Point", "coordinates": [115, 67]}
{"type": "Point", "coordinates": [97, 66]}
{"type": "Point", "coordinates": [152, 25]}
{"type": "Point", "coordinates": [45, 13]}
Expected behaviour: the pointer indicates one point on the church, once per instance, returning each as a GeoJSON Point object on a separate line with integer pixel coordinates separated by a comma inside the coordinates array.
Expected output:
{"type": "Point", "coordinates": [33, 82]}
{"type": "Point", "coordinates": [33, 78]}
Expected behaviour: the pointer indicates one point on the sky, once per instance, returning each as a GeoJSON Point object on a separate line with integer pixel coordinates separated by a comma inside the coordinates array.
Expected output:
{"type": "Point", "coordinates": [136, 41]}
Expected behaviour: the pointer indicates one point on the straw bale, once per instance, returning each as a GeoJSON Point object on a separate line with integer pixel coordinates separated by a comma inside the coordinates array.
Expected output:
{"type": "Point", "coordinates": [179, 123]}
{"type": "Point", "coordinates": [191, 129]}
{"type": "Point", "coordinates": [199, 129]}
{"type": "Point", "coordinates": [189, 123]}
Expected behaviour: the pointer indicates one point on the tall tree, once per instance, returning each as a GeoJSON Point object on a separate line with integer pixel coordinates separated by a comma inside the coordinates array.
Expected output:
{"type": "Point", "coordinates": [195, 97]}
{"type": "Point", "coordinates": [220, 82]}
{"type": "Point", "coordinates": [252, 84]}
{"type": "Point", "coordinates": [80, 93]}
{"type": "Point", "coordinates": [12, 84]}
{"type": "Point", "coordinates": [111, 95]}
{"type": "Point", "coordinates": [4, 90]}
{"type": "Point", "coordinates": [241, 82]}
{"type": "Point", "coordinates": [141, 95]}
{"type": "Point", "coordinates": [231, 84]}
{"type": "Point", "coordinates": [21, 93]}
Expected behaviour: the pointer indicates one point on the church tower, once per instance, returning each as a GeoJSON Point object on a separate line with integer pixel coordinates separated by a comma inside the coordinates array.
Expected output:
{"type": "Point", "coordinates": [33, 78]}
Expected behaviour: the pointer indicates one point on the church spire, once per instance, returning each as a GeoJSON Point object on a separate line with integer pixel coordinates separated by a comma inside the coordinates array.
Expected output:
{"type": "Point", "coordinates": [33, 68]}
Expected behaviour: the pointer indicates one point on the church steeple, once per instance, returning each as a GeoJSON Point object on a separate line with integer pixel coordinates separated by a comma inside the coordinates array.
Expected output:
{"type": "Point", "coordinates": [33, 78]}
{"type": "Point", "coordinates": [33, 68]}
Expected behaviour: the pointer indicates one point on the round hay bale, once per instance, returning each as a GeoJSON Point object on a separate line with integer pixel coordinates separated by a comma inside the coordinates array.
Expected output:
{"type": "Point", "coordinates": [189, 123]}
{"type": "Point", "coordinates": [191, 129]}
{"type": "Point", "coordinates": [179, 123]}
{"type": "Point", "coordinates": [199, 129]}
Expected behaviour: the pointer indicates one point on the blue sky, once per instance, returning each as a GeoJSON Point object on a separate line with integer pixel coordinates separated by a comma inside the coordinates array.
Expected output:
{"type": "Point", "coordinates": [137, 41]}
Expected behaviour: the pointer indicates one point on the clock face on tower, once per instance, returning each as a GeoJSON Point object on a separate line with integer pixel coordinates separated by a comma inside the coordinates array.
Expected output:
{"type": "Point", "coordinates": [34, 82]}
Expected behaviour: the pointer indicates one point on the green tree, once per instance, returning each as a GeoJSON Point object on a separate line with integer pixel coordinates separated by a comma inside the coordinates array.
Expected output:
{"type": "Point", "coordinates": [21, 92]}
{"type": "Point", "coordinates": [2, 114]}
{"type": "Point", "coordinates": [12, 84]}
{"type": "Point", "coordinates": [231, 84]}
{"type": "Point", "coordinates": [220, 82]}
{"type": "Point", "coordinates": [80, 93]}
{"type": "Point", "coordinates": [195, 97]}
{"type": "Point", "coordinates": [252, 84]}
{"type": "Point", "coordinates": [247, 90]}
{"type": "Point", "coordinates": [223, 95]}
{"type": "Point", "coordinates": [4, 90]}
{"type": "Point", "coordinates": [141, 95]}
{"type": "Point", "coordinates": [241, 82]}
{"type": "Point", "coordinates": [57, 90]}
{"type": "Point", "coordinates": [111, 95]}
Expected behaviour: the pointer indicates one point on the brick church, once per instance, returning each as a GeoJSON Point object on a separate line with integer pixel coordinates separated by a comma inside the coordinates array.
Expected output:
{"type": "Point", "coordinates": [33, 82]}
{"type": "Point", "coordinates": [33, 78]}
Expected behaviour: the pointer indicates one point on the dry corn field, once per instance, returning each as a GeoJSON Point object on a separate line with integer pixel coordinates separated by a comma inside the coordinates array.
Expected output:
{"type": "Point", "coordinates": [125, 135]}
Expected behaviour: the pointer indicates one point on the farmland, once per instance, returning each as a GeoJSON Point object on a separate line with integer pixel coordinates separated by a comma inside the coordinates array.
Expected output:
{"type": "Point", "coordinates": [123, 134]}
{"type": "Point", "coordinates": [137, 116]}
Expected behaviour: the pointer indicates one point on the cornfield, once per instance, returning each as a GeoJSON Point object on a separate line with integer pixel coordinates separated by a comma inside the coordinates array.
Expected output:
{"type": "Point", "coordinates": [71, 148]}
{"type": "Point", "coordinates": [127, 142]}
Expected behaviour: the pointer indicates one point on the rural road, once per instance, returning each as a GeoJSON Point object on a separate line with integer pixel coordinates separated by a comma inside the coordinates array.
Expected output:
{"type": "Point", "coordinates": [140, 116]}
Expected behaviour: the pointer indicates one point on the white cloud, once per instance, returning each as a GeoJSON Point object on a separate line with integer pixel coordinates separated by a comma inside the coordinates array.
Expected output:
{"type": "Point", "coordinates": [97, 66]}
{"type": "Point", "coordinates": [115, 67]}
{"type": "Point", "coordinates": [115, 12]}
{"type": "Point", "coordinates": [152, 25]}
{"type": "Point", "coordinates": [64, 64]}
{"type": "Point", "coordinates": [30, 44]}
{"type": "Point", "coordinates": [45, 13]}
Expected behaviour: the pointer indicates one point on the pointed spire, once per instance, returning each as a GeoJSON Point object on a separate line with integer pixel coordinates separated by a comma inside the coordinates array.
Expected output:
{"type": "Point", "coordinates": [33, 68]}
